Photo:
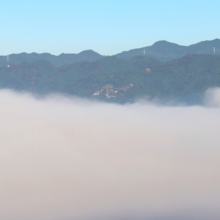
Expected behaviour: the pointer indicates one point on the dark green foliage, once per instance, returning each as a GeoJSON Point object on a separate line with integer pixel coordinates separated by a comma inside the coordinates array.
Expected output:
{"type": "Point", "coordinates": [118, 80]}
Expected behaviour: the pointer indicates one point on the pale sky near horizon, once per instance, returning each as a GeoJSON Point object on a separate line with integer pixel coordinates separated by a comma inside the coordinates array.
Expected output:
{"type": "Point", "coordinates": [107, 27]}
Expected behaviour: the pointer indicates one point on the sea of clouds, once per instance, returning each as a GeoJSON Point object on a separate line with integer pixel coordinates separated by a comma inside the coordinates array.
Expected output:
{"type": "Point", "coordinates": [65, 158]}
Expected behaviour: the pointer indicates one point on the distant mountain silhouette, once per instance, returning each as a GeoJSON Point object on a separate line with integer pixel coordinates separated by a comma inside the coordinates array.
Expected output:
{"type": "Point", "coordinates": [164, 70]}
{"type": "Point", "coordinates": [62, 59]}
{"type": "Point", "coordinates": [161, 50]}
{"type": "Point", "coordinates": [165, 51]}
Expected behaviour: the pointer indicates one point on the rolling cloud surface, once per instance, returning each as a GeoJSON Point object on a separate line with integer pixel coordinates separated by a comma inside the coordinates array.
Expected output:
{"type": "Point", "coordinates": [68, 158]}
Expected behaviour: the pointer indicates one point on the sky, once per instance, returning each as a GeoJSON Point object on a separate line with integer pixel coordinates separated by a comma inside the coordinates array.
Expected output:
{"type": "Point", "coordinates": [68, 158]}
{"type": "Point", "coordinates": [107, 27]}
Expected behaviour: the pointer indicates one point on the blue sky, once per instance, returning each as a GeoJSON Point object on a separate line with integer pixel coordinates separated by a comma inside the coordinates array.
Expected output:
{"type": "Point", "coordinates": [106, 26]}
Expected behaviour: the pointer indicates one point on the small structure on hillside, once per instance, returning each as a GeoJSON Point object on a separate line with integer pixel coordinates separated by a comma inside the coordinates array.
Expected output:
{"type": "Point", "coordinates": [8, 61]}
{"type": "Point", "coordinates": [148, 70]}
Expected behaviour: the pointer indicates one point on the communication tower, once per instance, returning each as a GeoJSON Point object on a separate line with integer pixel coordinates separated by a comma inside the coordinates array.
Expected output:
{"type": "Point", "coordinates": [8, 61]}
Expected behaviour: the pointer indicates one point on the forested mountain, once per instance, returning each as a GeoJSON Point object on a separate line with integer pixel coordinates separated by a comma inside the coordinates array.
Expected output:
{"type": "Point", "coordinates": [165, 51]}
{"type": "Point", "coordinates": [62, 59]}
{"type": "Point", "coordinates": [161, 50]}
{"type": "Point", "coordinates": [118, 80]}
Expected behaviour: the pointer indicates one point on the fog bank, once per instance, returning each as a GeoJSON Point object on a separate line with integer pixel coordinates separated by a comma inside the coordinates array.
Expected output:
{"type": "Point", "coordinates": [68, 158]}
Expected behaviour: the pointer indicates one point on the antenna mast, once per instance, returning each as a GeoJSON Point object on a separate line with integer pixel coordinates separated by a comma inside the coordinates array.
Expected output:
{"type": "Point", "coordinates": [8, 61]}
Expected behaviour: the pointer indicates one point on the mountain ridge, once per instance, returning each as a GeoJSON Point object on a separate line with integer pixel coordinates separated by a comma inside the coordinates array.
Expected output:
{"type": "Point", "coordinates": [183, 77]}
{"type": "Point", "coordinates": [160, 50]}
{"type": "Point", "coordinates": [118, 80]}
{"type": "Point", "coordinates": [166, 51]}
{"type": "Point", "coordinates": [59, 60]}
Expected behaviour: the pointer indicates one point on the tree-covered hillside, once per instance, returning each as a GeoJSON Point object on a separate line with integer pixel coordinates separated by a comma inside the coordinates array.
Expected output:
{"type": "Point", "coordinates": [166, 51]}
{"type": "Point", "coordinates": [118, 80]}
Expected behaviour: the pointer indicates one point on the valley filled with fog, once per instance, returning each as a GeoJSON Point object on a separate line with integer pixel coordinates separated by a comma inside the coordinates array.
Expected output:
{"type": "Point", "coordinates": [71, 158]}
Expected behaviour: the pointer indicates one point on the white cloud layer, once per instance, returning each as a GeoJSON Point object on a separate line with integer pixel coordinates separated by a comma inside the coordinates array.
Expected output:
{"type": "Point", "coordinates": [63, 158]}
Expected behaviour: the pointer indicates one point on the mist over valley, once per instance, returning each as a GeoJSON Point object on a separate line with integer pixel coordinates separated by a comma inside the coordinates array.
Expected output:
{"type": "Point", "coordinates": [110, 110]}
{"type": "Point", "coordinates": [71, 158]}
